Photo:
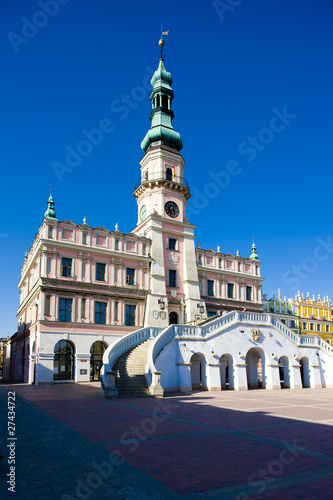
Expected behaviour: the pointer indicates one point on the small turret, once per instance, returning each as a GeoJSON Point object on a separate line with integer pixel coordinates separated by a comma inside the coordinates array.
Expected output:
{"type": "Point", "coordinates": [50, 212]}
{"type": "Point", "coordinates": [254, 255]}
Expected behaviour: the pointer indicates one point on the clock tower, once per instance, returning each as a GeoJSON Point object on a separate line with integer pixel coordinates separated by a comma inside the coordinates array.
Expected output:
{"type": "Point", "coordinates": [161, 195]}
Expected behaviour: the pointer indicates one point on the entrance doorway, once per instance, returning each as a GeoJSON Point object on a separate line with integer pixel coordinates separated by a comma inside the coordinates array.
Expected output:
{"type": "Point", "coordinates": [96, 360]}
{"type": "Point", "coordinates": [173, 318]}
{"type": "Point", "coordinates": [63, 367]}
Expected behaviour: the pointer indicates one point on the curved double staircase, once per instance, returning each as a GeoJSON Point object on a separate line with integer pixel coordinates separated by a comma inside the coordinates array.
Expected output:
{"type": "Point", "coordinates": [129, 363]}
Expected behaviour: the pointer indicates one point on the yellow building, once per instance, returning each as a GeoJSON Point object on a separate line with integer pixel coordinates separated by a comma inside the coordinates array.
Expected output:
{"type": "Point", "coordinates": [315, 316]}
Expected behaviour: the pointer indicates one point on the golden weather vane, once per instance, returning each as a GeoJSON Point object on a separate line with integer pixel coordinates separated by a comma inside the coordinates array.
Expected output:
{"type": "Point", "coordinates": [161, 42]}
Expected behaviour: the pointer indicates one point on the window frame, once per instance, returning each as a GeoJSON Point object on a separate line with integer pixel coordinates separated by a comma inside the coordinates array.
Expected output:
{"type": "Point", "coordinates": [210, 288]}
{"type": "Point", "coordinates": [172, 244]}
{"type": "Point", "coordinates": [100, 313]}
{"type": "Point", "coordinates": [65, 309]}
{"type": "Point", "coordinates": [130, 276]}
{"type": "Point", "coordinates": [230, 291]}
{"type": "Point", "coordinates": [63, 267]}
{"type": "Point", "coordinates": [99, 272]}
{"type": "Point", "coordinates": [130, 318]}
{"type": "Point", "coordinates": [172, 281]}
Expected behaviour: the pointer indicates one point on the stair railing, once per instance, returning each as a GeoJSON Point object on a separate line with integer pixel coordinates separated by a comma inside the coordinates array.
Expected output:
{"type": "Point", "coordinates": [115, 350]}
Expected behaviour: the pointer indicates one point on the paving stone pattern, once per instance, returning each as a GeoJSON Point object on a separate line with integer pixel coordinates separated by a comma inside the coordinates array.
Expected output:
{"type": "Point", "coordinates": [74, 444]}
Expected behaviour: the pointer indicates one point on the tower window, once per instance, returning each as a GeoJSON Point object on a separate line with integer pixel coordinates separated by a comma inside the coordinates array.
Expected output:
{"type": "Point", "coordinates": [172, 278]}
{"type": "Point", "coordinates": [172, 244]}
{"type": "Point", "coordinates": [168, 174]}
{"type": "Point", "coordinates": [248, 293]}
{"type": "Point", "coordinates": [146, 175]}
{"type": "Point", "coordinates": [165, 101]}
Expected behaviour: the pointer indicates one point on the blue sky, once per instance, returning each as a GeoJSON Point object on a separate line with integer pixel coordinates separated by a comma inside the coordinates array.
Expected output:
{"type": "Point", "coordinates": [235, 67]}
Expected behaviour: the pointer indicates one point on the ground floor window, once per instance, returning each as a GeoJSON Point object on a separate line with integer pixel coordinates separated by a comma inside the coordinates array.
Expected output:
{"type": "Point", "coordinates": [63, 367]}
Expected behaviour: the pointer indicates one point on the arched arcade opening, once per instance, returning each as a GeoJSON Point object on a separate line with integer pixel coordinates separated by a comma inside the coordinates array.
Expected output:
{"type": "Point", "coordinates": [255, 368]}
{"type": "Point", "coordinates": [198, 371]}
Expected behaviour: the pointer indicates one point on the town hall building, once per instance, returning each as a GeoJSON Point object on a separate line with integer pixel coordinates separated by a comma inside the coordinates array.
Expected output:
{"type": "Point", "coordinates": [94, 301]}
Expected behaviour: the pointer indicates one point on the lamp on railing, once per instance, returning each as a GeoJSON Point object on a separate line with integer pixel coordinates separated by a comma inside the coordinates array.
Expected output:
{"type": "Point", "coordinates": [201, 307]}
{"type": "Point", "coordinates": [161, 302]}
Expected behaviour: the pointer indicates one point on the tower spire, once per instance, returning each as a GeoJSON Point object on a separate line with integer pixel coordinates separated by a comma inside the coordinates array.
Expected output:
{"type": "Point", "coordinates": [50, 212]}
{"type": "Point", "coordinates": [161, 116]}
{"type": "Point", "coordinates": [254, 255]}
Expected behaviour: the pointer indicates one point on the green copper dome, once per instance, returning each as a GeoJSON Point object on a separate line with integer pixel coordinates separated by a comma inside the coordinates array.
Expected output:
{"type": "Point", "coordinates": [254, 255]}
{"type": "Point", "coordinates": [50, 212]}
{"type": "Point", "coordinates": [161, 116]}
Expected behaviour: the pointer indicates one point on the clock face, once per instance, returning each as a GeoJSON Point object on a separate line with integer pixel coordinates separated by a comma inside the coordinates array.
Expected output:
{"type": "Point", "coordinates": [171, 209]}
{"type": "Point", "coordinates": [143, 212]}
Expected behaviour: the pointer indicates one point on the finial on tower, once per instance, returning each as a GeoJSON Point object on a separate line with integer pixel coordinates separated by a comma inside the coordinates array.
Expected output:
{"type": "Point", "coordinates": [161, 41]}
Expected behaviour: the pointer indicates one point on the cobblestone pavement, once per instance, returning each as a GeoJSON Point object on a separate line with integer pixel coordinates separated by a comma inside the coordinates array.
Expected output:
{"type": "Point", "coordinates": [73, 444]}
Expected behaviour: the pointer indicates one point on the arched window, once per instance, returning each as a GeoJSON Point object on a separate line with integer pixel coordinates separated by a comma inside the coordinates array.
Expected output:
{"type": "Point", "coordinates": [63, 368]}
{"type": "Point", "coordinates": [165, 101]}
{"type": "Point", "coordinates": [168, 174]}
{"type": "Point", "coordinates": [96, 360]}
{"type": "Point", "coordinates": [173, 318]}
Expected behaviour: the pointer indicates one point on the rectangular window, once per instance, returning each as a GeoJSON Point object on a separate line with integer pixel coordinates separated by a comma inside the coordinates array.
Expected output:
{"type": "Point", "coordinates": [292, 323]}
{"type": "Point", "coordinates": [311, 326]}
{"type": "Point", "coordinates": [116, 275]}
{"type": "Point", "coordinates": [172, 244]}
{"type": "Point", "coordinates": [116, 311]}
{"type": "Point", "coordinates": [144, 249]}
{"type": "Point", "coordinates": [318, 327]}
{"type": "Point", "coordinates": [257, 270]}
{"type": "Point", "coordinates": [47, 305]}
{"type": "Point", "coordinates": [304, 326]}
{"type": "Point", "coordinates": [230, 290]}
{"type": "Point", "coordinates": [248, 293]}
{"type": "Point", "coordinates": [100, 313]}
{"type": "Point", "coordinates": [66, 267]}
{"type": "Point", "coordinates": [129, 315]}
{"type": "Point", "coordinates": [130, 273]}
{"type": "Point", "coordinates": [210, 288]}
{"type": "Point", "coordinates": [83, 308]}
{"type": "Point", "coordinates": [220, 263]}
{"type": "Point", "coordinates": [84, 238]}
{"type": "Point", "coordinates": [49, 263]}
{"type": "Point", "coordinates": [50, 232]}
{"type": "Point", "coordinates": [116, 245]}
{"type": "Point", "coordinates": [172, 278]}
{"type": "Point", "coordinates": [200, 260]}
{"type": "Point", "coordinates": [239, 267]}
{"type": "Point", "coordinates": [65, 310]}
{"type": "Point", "coordinates": [283, 321]}
{"type": "Point", "coordinates": [83, 269]}
{"type": "Point", "coordinates": [100, 272]}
